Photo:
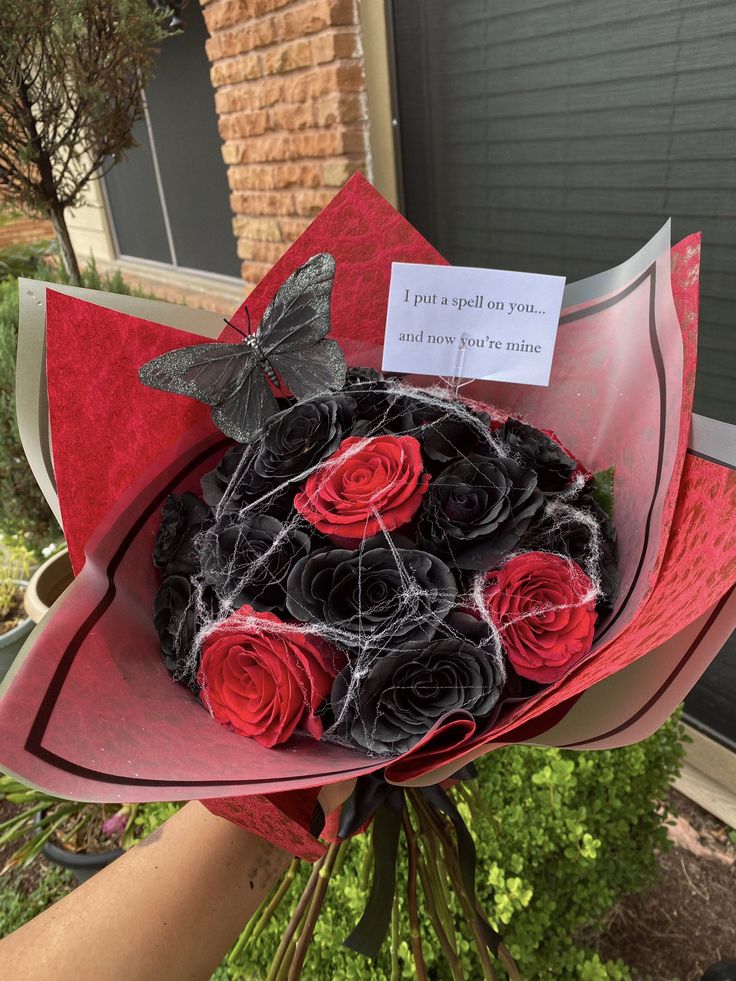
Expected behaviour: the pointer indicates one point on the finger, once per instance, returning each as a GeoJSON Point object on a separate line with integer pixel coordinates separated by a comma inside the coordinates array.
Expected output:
{"type": "Point", "coordinates": [335, 794]}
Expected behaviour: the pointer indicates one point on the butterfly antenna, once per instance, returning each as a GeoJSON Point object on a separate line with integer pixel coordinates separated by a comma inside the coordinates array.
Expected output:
{"type": "Point", "coordinates": [230, 324]}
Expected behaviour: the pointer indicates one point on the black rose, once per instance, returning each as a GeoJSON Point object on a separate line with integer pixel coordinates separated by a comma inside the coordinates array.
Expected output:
{"type": "Point", "coordinates": [247, 559]}
{"type": "Point", "coordinates": [448, 432]}
{"type": "Point", "coordinates": [565, 528]}
{"type": "Point", "coordinates": [234, 484]}
{"type": "Point", "coordinates": [183, 517]}
{"type": "Point", "coordinates": [381, 408]}
{"type": "Point", "coordinates": [373, 597]}
{"type": "Point", "coordinates": [387, 708]}
{"type": "Point", "coordinates": [175, 620]}
{"type": "Point", "coordinates": [476, 510]}
{"type": "Point", "coordinates": [297, 438]}
{"type": "Point", "coordinates": [536, 450]}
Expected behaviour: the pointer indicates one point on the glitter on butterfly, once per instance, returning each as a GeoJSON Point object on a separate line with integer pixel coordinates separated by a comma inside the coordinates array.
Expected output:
{"type": "Point", "coordinates": [289, 345]}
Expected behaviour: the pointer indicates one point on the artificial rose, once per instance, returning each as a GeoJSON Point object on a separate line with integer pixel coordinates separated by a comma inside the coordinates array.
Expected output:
{"type": "Point", "coordinates": [175, 608]}
{"type": "Point", "coordinates": [296, 439]}
{"type": "Point", "coordinates": [477, 510]}
{"type": "Point", "coordinates": [449, 430]}
{"type": "Point", "coordinates": [183, 516]}
{"type": "Point", "coordinates": [234, 483]}
{"type": "Point", "coordinates": [398, 697]}
{"type": "Point", "coordinates": [262, 679]}
{"type": "Point", "coordinates": [246, 559]}
{"type": "Point", "coordinates": [367, 486]}
{"type": "Point", "coordinates": [381, 407]}
{"type": "Point", "coordinates": [544, 608]}
{"type": "Point", "coordinates": [567, 530]}
{"type": "Point", "coordinates": [374, 597]}
{"type": "Point", "coordinates": [537, 450]}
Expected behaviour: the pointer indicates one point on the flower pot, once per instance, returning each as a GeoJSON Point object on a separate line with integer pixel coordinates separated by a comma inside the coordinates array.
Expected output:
{"type": "Point", "coordinates": [82, 865]}
{"type": "Point", "coordinates": [12, 641]}
{"type": "Point", "coordinates": [47, 584]}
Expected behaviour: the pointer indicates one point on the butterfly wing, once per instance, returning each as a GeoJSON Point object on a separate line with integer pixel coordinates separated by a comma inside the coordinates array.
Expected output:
{"type": "Point", "coordinates": [308, 371]}
{"type": "Point", "coordinates": [242, 414]}
{"type": "Point", "coordinates": [210, 372]}
{"type": "Point", "coordinates": [299, 314]}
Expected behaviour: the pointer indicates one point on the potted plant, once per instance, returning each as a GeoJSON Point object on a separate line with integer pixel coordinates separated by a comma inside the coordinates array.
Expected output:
{"type": "Point", "coordinates": [81, 837]}
{"type": "Point", "coordinates": [48, 582]}
{"type": "Point", "coordinates": [77, 836]}
{"type": "Point", "coordinates": [15, 626]}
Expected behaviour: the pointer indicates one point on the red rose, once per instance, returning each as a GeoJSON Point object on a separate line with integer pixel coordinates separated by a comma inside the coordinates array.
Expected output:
{"type": "Point", "coordinates": [544, 608]}
{"type": "Point", "coordinates": [264, 682]}
{"type": "Point", "coordinates": [366, 486]}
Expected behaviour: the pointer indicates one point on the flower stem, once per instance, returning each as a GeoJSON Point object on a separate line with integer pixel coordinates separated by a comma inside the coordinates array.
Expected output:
{"type": "Point", "coordinates": [284, 951]}
{"type": "Point", "coordinates": [453, 867]}
{"type": "Point", "coordinates": [504, 955]}
{"type": "Point", "coordinates": [432, 905]}
{"type": "Point", "coordinates": [365, 872]}
{"type": "Point", "coordinates": [415, 938]}
{"type": "Point", "coordinates": [263, 914]}
{"type": "Point", "coordinates": [318, 898]}
{"type": "Point", "coordinates": [395, 972]}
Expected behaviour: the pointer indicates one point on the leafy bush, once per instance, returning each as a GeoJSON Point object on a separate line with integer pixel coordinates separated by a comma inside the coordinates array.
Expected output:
{"type": "Point", "coordinates": [23, 509]}
{"type": "Point", "coordinates": [561, 837]}
{"type": "Point", "coordinates": [25, 260]}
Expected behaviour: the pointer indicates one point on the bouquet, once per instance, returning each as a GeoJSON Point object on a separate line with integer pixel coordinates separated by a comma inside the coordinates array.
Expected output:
{"type": "Point", "coordinates": [358, 575]}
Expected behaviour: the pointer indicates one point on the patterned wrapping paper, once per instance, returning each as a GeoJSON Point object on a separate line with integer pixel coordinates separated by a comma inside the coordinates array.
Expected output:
{"type": "Point", "coordinates": [91, 713]}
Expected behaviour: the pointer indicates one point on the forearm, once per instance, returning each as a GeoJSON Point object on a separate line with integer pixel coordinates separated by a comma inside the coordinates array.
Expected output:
{"type": "Point", "coordinates": [168, 909]}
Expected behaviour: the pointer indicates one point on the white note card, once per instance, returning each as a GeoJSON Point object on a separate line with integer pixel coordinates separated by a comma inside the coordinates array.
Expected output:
{"type": "Point", "coordinates": [461, 322]}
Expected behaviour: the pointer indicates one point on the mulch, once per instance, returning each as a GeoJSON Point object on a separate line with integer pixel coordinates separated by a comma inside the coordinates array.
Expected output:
{"type": "Point", "coordinates": [687, 921]}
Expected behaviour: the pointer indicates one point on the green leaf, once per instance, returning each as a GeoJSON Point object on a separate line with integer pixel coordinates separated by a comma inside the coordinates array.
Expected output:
{"type": "Point", "coordinates": [602, 489]}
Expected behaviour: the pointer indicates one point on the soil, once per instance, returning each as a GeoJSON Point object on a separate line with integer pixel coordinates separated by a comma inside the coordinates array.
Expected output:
{"type": "Point", "coordinates": [687, 921]}
{"type": "Point", "coordinates": [81, 832]}
{"type": "Point", "coordinates": [27, 879]}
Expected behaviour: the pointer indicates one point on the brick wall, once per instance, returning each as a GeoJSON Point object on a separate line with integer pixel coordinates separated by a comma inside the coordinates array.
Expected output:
{"type": "Point", "coordinates": [290, 97]}
{"type": "Point", "coordinates": [23, 231]}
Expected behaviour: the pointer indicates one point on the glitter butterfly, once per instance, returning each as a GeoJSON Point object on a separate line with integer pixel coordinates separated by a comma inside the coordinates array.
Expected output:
{"type": "Point", "coordinates": [287, 353]}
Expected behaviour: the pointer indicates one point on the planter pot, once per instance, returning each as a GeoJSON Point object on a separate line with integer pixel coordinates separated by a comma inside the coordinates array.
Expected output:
{"type": "Point", "coordinates": [47, 584]}
{"type": "Point", "coordinates": [12, 641]}
{"type": "Point", "coordinates": [82, 866]}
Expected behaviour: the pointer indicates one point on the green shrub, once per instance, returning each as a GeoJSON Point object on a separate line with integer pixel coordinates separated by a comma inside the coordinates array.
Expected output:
{"type": "Point", "coordinates": [23, 509]}
{"type": "Point", "coordinates": [561, 838]}
{"type": "Point", "coordinates": [25, 260]}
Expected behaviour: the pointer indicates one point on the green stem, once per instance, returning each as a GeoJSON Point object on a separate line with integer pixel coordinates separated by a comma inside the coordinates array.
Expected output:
{"type": "Point", "coordinates": [432, 905]}
{"type": "Point", "coordinates": [504, 955]}
{"type": "Point", "coordinates": [263, 914]}
{"type": "Point", "coordinates": [346, 842]}
{"type": "Point", "coordinates": [305, 937]}
{"type": "Point", "coordinates": [283, 951]}
{"type": "Point", "coordinates": [19, 820]}
{"type": "Point", "coordinates": [415, 937]}
{"type": "Point", "coordinates": [276, 898]}
{"type": "Point", "coordinates": [395, 971]}
{"type": "Point", "coordinates": [453, 866]}
{"type": "Point", "coordinates": [441, 877]}
{"type": "Point", "coordinates": [365, 872]}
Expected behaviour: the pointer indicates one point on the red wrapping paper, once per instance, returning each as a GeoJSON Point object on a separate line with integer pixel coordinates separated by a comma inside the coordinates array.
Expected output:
{"type": "Point", "coordinates": [91, 713]}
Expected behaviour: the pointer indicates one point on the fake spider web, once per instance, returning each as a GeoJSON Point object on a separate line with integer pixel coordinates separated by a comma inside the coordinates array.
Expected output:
{"type": "Point", "coordinates": [561, 516]}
